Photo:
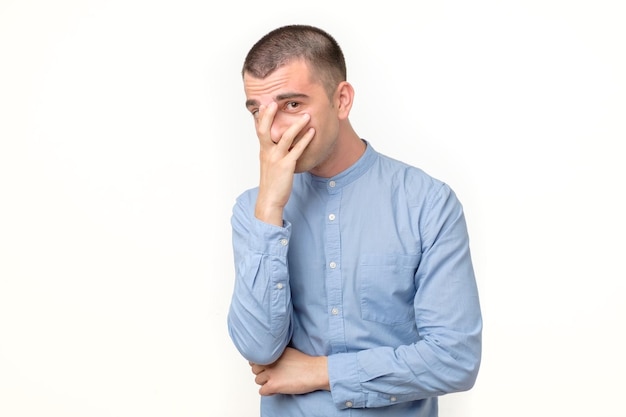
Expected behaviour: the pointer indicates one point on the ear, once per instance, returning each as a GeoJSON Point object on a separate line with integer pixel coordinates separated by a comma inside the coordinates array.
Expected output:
{"type": "Point", "coordinates": [344, 97]}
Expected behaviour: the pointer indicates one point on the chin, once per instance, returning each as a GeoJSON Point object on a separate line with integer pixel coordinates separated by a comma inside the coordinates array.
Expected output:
{"type": "Point", "coordinates": [303, 166]}
{"type": "Point", "coordinates": [299, 169]}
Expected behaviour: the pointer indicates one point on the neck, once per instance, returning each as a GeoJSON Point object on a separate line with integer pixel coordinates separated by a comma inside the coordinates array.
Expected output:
{"type": "Point", "coordinates": [348, 149]}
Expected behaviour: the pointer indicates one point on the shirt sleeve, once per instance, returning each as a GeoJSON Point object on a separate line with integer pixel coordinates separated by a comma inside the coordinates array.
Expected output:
{"type": "Point", "coordinates": [446, 356]}
{"type": "Point", "coordinates": [259, 317]}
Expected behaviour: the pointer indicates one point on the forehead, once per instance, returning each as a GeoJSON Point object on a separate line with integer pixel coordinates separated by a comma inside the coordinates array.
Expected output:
{"type": "Point", "coordinates": [293, 77]}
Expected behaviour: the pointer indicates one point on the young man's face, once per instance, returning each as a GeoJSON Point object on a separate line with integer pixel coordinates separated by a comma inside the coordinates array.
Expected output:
{"type": "Point", "coordinates": [295, 92]}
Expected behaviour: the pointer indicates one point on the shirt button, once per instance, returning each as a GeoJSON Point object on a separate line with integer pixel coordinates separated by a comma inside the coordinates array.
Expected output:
{"type": "Point", "coordinates": [284, 242]}
{"type": "Point", "coordinates": [332, 265]}
{"type": "Point", "coordinates": [348, 404]}
{"type": "Point", "coordinates": [331, 184]}
{"type": "Point", "coordinates": [331, 217]}
{"type": "Point", "coordinates": [279, 286]}
{"type": "Point", "coordinates": [393, 399]}
{"type": "Point", "coordinates": [334, 311]}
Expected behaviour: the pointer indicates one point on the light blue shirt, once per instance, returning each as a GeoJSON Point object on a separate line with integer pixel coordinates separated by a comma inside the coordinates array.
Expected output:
{"type": "Point", "coordinates": [371, 268]}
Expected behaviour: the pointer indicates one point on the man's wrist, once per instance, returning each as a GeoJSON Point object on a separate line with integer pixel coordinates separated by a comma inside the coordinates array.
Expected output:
{"type": "Point", "coordinates": [322, 367]}
{"type": "Point", "coordinates": [269, 214]}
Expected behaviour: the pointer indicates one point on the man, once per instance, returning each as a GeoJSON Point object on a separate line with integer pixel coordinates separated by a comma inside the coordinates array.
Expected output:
{"type": "Point", "coordinates": [354, 292]}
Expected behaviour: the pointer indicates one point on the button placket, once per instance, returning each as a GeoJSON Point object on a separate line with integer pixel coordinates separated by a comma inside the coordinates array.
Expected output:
{"type": "Point", "coordinates": [334, 283]}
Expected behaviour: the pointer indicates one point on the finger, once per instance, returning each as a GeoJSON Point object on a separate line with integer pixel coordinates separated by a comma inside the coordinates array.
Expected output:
{"type": "Point", "coordinates": [257, 369]}
{"type": "Point", "coordinates": [302, 143]}
{"type": "Point", "coordinates": [266, 118]}
{"type": "Point", "coordinates": [268, 388]}
{"type": "Point", "coordinates": [266, 391]}
{"type": "Point", "coordinates": [292, 132]}
{"type": "Point", "coordinates": [261, 378]}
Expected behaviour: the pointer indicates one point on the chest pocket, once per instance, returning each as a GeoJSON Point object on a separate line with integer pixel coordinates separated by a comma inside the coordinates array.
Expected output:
{"type": "Point", "coordinates": [387, 287]}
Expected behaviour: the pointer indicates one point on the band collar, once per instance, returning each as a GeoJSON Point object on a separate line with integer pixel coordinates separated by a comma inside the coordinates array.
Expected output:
{"type": "Point", "coordinates": [335, 183]}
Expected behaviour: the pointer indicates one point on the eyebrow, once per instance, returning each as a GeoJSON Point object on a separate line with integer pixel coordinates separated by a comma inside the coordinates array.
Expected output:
{"type": "Point", "coordinates": [280, 97]}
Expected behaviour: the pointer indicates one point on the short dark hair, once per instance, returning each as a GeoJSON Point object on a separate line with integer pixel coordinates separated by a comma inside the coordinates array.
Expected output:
{"type": "Point", "coordinates": [288, 43]}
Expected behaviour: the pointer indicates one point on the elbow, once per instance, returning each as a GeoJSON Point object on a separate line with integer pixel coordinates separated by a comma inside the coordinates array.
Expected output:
{"type": "Point", "coordinates": [457, 364]}
{"type": "Point", "coordinates": [262, 349]}
{"type": "Point", "coordinates": [466, 380]}
{"type": "Point", "coordinates": [465, 352]}
{"type": "Point", "coordinates": [457, 378]}
{"type": "Point", "coordinates": [464, 374]}
{"type": "Point", "coordinates": [261, 355]}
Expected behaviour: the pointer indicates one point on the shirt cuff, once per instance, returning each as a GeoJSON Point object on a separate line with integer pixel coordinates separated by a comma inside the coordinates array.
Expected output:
{"type": "Point", "coordinates": [345, 385]}
{"type": "Point", "coordinates": [270, 239]}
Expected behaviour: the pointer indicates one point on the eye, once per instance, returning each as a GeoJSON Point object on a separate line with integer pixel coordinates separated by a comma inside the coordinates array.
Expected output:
{"type": "Point", "coordinates": [292, 105]}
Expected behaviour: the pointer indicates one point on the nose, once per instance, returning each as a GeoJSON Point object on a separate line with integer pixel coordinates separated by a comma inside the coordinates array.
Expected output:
{"type": "Point", "coordinates": [281, 123]}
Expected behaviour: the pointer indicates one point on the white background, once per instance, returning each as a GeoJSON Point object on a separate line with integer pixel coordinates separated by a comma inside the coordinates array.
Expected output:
{"type": "Point", "coordinates": [124, 142]}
